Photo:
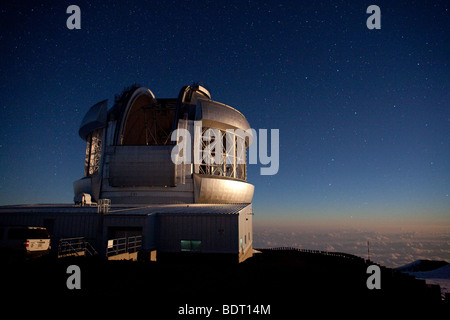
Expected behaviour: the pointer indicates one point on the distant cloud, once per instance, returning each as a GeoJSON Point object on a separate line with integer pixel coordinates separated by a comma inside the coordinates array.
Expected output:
{"type": "Point", "coordinates": [389, 249]}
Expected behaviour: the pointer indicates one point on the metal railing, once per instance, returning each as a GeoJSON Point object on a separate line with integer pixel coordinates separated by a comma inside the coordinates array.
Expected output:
{"type": "Point", "coordinates": [104, 205]}
{"type": "Point", "coordinates": [319, 252]}
{"type": "Point", "coordinates": [123, 245]}
{"type": "Point", "coordinates": [75, 247]}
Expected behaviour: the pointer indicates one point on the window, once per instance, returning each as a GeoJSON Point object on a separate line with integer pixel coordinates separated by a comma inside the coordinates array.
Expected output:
{"type": "Point", "coordinates": [190, 245]}
{"type": "Point", "coordinates": [93, 153]}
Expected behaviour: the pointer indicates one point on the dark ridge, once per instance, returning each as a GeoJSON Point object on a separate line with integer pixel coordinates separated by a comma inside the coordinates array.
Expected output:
{"type": "Point", "coordinates": [289, 280]}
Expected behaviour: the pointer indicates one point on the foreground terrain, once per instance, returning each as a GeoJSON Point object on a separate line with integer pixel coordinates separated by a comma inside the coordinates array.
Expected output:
{"type": "Point", "coordinates": [288, 281]}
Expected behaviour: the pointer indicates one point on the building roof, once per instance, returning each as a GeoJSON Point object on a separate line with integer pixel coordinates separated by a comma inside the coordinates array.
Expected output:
{"type": "Point", "coordinates": [181, 209]}
{"type": "Point", "coordinates": [94, 119]}
{"type": "Point", "coordinates": [130, 210]}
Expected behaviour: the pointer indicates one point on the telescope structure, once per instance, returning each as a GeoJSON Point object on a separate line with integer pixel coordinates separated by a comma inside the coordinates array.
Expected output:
{"type": "Point", "coordinates": [129, 150]}
{"type": "Point", "coordinates": [137, 199]}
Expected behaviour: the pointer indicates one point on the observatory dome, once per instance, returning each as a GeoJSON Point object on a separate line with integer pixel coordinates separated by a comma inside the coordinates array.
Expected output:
{"type": "Point", "coordinates": [129, 150]}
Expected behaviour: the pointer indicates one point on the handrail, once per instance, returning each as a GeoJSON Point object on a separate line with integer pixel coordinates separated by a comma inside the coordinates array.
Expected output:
{"type": "Point", "coordinates": [75, 246]}
{"type": "Point", "coordinates": [325, 253]}
{"type": "Point", "coordinates": [104, 205]}
{"type": "Point", "coordinates": [124, 245]}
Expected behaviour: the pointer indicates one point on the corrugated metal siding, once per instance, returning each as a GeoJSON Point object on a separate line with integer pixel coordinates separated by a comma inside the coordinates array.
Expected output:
{"type": "Point", "coordinates": [245, 230]}
{"type": "Point", "coordinates": [125, 220]}
{"type": "Point", "coordinates": [163, 226]}
{"type": "Point", "coordinates": [218, 232]}
{"type": "Point", "coordinates": [65, 225]}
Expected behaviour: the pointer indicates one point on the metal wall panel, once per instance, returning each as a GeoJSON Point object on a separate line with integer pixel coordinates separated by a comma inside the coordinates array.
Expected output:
{"type": "Point", "coordinates": [143, 221]}
{"type": "Point", "coordinates": [132, 166]}
{"type": "Point", "coordinates": [216, 112]}
{"type": "Point", "coordinates": [94, 119]}
{"type": "Point", "coordinates": [209, 189]}
{"type": "Point", "coordinates": [64, 225]}
{"type": "Point", "coordinates": [218, 232]}
{"type": "Point", "coordinates": [245, 231]}
{"type": "Point", "coordinates": [219, 226]}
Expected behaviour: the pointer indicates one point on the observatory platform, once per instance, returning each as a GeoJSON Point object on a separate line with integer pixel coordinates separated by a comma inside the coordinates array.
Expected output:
{"type": "Point", "coordinates": [165, 230]}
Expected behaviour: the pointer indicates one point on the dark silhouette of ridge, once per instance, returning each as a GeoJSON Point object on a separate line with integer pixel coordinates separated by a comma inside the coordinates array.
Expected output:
{"type": "Point", "coordinates": [289, 280]}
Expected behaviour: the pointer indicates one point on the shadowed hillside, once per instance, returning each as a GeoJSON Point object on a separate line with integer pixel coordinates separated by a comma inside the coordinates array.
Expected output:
{"type": "Point", "coordinates": [286, 279]}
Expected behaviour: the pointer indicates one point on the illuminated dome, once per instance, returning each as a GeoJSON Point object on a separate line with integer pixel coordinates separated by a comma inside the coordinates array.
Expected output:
{"type": "Point", "coordinates": [129, 148]}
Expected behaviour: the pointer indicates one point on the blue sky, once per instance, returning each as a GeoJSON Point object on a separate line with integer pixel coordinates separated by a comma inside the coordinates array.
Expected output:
{"type": "Point", "coordinates": [363, 114]}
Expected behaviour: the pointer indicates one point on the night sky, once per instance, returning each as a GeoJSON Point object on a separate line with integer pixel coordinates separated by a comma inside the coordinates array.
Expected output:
{"type": "Point", "coordinates": [364, 115]}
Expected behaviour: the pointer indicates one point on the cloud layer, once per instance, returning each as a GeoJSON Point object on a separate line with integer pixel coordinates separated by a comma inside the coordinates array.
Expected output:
{"type": "Point", "coordinates": [388, 249]}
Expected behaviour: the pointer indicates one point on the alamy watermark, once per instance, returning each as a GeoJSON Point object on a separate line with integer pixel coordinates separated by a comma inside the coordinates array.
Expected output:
{"type": "Point", "coordinates": [74, 280]}
{"type": "Point", "coordinates": [211, 149]}
{"type": "Point", "coordinates": [374, 280]}
{"type": "Point", "coordinates": [74, 20]}
{"type": "Point", "coordinates": [374, 21]}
